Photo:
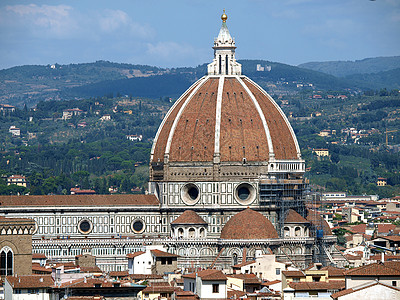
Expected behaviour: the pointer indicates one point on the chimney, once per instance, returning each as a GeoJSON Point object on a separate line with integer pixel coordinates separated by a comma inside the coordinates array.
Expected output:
{"type": "Point", "coordinates": [383, 257]}
{"type": "Point", "coordinates": [41, 279]}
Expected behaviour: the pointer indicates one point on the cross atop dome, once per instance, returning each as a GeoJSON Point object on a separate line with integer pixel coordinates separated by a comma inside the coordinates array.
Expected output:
{"type": "Point", "coordinates": [224, 62]}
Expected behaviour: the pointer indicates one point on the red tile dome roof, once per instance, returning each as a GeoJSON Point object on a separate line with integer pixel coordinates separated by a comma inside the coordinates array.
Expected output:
{"type": "Point", "coordinates": [248, 224]}
{"type": "Point", "coordinates": [226, 116]}
{"type": "Point", "coordinates": [189, 217]}
{"type": "Point", "coordinates": [318, 221]}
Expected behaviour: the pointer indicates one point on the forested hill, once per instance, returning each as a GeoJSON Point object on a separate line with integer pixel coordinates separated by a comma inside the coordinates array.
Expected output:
{"type": "Point", "coordinates": [31, 84]}
{"type": "Point", "coordinates": [364, 66]}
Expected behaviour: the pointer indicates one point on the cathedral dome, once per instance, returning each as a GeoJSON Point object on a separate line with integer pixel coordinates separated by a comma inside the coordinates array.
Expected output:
{"type": "Point", "coordinates": [225, 117]}
{"type": "Point", "coordinates": [248, 224]}
{"type": "Point", "coordinates": [229, 117]}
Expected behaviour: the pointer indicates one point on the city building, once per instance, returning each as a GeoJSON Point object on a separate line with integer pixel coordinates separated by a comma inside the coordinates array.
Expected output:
{"type": "Point", "coordinates": [226, 180]}
{"type": "Point", "coordinates": [19, 180]}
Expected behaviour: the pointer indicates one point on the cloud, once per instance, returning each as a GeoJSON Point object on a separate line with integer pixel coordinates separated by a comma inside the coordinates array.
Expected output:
{"type": "Point", "coordinates": [45, 19]}
{"type": "Point", "coordinates": [111, 21]}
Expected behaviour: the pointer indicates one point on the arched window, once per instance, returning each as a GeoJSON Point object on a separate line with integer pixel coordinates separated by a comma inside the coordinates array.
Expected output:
{"type": "Point", "coordinates": [192, 234]}
{"type": "Point", "coordinates": [286, 231]}
{"type": "Point", "coordinates": [180, 233]}
{"type": "Point", "coordinates": [6, 261]}
{"type": "Point", "coordinates": [234, 259]}
{"type": "Point", "coordinates": [297, 231]}
{"type": "Point", "coordinates": [202, 233]}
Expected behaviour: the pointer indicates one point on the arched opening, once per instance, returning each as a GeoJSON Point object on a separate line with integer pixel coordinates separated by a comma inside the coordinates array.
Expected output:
{"type": "Point", "coordinates": [180, 233]}
{"type": "Point", "coordinates": [297, 231]}
{"type": "Point", "coordinates": [220, 65]}
{"type": "Point", "coordinates": [6, 261]}
{"type": "Point", "coordinates": [226, 65]}
{"type": "Point", "coordinates": [286, 232]}
{"type": "Point", "coordinates": [234, 259]}
{"type": "Point", "coordinates": [192, 233]}
{"type": "Point", "coordinates": [202, 233]}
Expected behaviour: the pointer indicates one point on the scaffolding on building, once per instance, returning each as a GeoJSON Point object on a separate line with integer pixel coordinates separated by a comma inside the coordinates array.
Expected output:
{"type": "Point", "coordinates": [282, 195]}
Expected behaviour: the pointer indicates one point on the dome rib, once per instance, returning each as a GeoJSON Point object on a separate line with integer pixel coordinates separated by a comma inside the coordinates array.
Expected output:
{"type": "Point", "coordinates": [218, 116]}
{"type": "Point", "coordinates": [285, 143]}
{"type": "Point", "coordinates": [292, 134]}
{"type": "Point", "coordinates": [262, 116]}
{"type": "Point", "coordinates": [161, 138]}
{"type": "Point", "coordinates": [178, 116]}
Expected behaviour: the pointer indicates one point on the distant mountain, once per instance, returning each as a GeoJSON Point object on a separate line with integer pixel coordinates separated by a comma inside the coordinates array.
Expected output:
{"type": "Point", "coordinates": [364, 66]}
{"type": "Point", "coordinates": [31, 84]}
{"type": "Point", "coordinates": [375, 81]}
{"type": "Point", "coordinates": [176, 81]}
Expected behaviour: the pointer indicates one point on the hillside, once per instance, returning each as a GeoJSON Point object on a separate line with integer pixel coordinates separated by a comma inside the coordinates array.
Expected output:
{"type": "Point", "coordinates": [31, 84]}
{"type": "Point", "coordinates": [345, 68]}
{"type": "Point", "coordinates": [390, 79]}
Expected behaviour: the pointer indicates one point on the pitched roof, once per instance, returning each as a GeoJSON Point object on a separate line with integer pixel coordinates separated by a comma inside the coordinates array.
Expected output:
{"type": "Point", "coordinates": [189, 217]}
{"type": "Point", "coordinates": [30, 281]}
{"type": "Point", "coordinates": [78, 200]}
{"type": "Point", "coordinates": [132, 255]}
{"type": "Point", "coordinates": [247, 278]}
{"type": "Point", "coordinates": [318, 286]}
{"type": "Point", "coordinates": [245, 263]}
{"type": "Point", "coordinates": [208, 274]}
{"type": "Point", "coordinates": [268, 283]}
{"type": "Point", "coordinates": [333, 271]}
{"type": "Point", "coordinates": [294, 273]}
{"type": "Point", "coordinates": [361, 287]}
{"type": "Point", "coordinates": [294, 217]}
{"type": "Point", "coordinates": [389, 268]}
{"type": "Point", "coordinates": [118, 273]}
{"type": "Point", "coordinates": [160, 289]}
{"type": "Point", "coordinates": [159, 253]}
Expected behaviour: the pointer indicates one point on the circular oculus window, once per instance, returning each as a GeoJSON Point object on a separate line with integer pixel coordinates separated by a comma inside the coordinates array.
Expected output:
{"type": "Point", "coordinates": [85, 226]}
{"type": "Point", "coordinates": [245, 193]}
{"type": "Point", "coordinates": [190, 193]}
{"type": "Point", "coordinates": [137, 226]}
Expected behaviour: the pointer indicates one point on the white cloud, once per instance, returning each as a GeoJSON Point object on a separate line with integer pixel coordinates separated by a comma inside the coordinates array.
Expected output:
{"type": "Point", "coordinates": [111, 21]}
{"type": "Point", "coordinates": [169, 49]}
{"type": "Point", "coordinates": [45, 19]}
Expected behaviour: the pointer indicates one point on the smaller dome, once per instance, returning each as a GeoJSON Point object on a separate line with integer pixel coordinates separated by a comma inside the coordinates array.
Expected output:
{"type": "Point", "coordinates": [294, 217]}
{"type": "Point", "coordinates": [318, 221]}
{"type": "Point", "coordinates": [248, 225]}
{"type": "Point", "coordinates": [189, 217]}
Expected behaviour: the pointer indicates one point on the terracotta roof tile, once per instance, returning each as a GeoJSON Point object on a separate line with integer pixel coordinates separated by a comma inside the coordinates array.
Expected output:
{"type": "Point", "coordinates": [78, 200]}
{"type": "Point", "coordinates": [248, 224]}
{"type": "Point", "coordinates": [245, 263]}
{"type": "Point", "coordinates": [189, 217]}
{"type": "Point", "coordinates": [132, 255]}
{"type": "Point", "coordinates": [294, 273]}
{"type": "Point", "coordinates": [159, 253]}
{"type": "Point", "coordinates": [294, 217]}
{"type": "Point", "coordinates": [247, 278]}
{"type": "Point", "coordinates": [119, 273]}
{"type": "Point", "coordinates": [389, 268]}
{"type": "Point", "coordinates": [333, 271]}
{"type": "Point", "coordinates": [362, 287]}
{"type": "Point", "coordinates": [30, 281]}
{"type": "Point", "coordinates": [208, 274]}
{"type": "Point", "coordinates": [318, 286]}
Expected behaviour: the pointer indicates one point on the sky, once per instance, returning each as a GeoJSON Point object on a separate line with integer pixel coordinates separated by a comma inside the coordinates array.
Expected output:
{"type": "Point", "coordinates": [178, 33]}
